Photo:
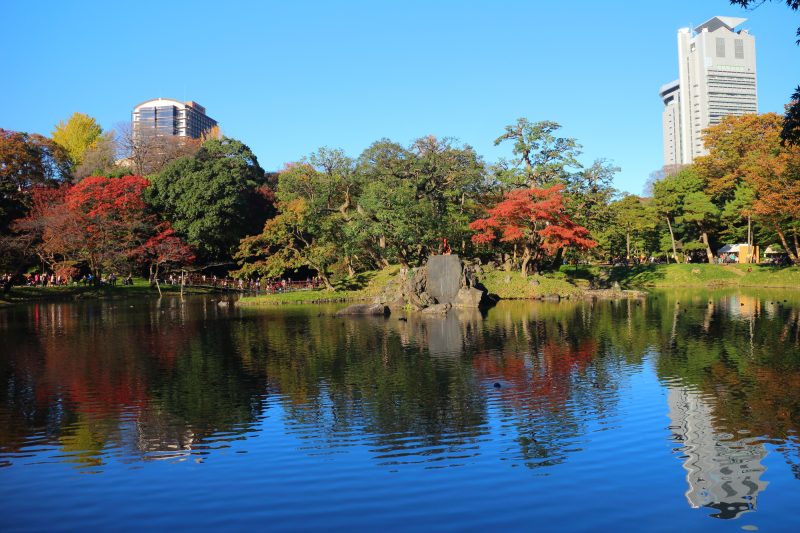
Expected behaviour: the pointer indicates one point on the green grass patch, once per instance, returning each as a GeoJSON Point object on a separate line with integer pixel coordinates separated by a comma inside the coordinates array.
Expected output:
{"type": "Point", "coordinates": [705, 275]}
{"type": "Point", "coordinates": [512, 285]}
{"type": "Point", "coordinates": [363, 286]}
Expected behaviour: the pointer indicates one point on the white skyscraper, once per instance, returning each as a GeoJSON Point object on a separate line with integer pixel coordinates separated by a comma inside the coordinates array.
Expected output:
{"type": "Point", "coordinates": [716, 77]}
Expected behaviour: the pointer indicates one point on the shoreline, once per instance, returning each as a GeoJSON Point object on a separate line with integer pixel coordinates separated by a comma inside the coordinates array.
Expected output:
{"type": "Point", "coordinates": [568, 283]}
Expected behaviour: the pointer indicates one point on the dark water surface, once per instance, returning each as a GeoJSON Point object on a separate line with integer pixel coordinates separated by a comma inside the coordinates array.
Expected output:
{"type": "Point", "coordinates": [680, 413]}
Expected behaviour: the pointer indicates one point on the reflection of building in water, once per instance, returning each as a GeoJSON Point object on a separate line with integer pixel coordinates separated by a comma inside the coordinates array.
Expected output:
{"type": "Point", "coordinates": [723, 473]}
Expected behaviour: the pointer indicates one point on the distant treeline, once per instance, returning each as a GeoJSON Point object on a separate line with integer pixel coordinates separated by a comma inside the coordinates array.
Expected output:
{"type": "Point", "coordinates": [88, 200]}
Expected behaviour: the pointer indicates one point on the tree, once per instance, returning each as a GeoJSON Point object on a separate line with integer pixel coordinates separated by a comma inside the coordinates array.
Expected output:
{"type": "Point", "coordinates": [589, 194]}
{"type": "Point", "coordinates": [163, 250]}
{"type": "Point", "coordinates": [733, 145]}
{"type": "Point", "coordinates": [214, 198]}
{"type": "Point", "coordinates": [292, 239]}
{"type": "Point", "coordinates": [100, 159]}
{"type": "Point", "coordinates": [149, 154]}
{"type": "Point", "coordinates": [698, 209]}
{"type": "Point", "coordinates": [536, 219]}
{"type": "Point", "coordinates": [77, 135]}
{"type": "Point", "coordinates": [634, 218]}
{"type": "Point", "coordinates": [102, 222]}
{"type": "Point", "coordinates": [747, 151]}
{"type": "Point", "coordinates": [541, 157]}
{"type": "Point", "coordinates": [26, 160]}
{"type": "Point", "coordinates": [669, 197]}
{"type": "Point", "coordinates": [414, 197]}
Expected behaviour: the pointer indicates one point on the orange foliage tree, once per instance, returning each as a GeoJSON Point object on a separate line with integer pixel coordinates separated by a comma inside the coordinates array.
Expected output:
{"type": "Point", "coordinates": [747, 151]}
{"type": "Point", "coordinates": [534, 219]}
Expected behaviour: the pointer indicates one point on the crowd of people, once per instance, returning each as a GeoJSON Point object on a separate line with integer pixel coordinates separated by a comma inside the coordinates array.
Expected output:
{"type": "Point", "coordinates": [50, 279]}
{"type": "Point", "coordinates": [254, 285]}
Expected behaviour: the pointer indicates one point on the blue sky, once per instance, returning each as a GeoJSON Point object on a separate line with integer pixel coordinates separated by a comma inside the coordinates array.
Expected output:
{"type": "Point", "coordinates": [289, 77]}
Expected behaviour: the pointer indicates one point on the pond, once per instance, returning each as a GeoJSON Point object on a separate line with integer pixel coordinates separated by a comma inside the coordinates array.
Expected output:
{"type": "Point", "coordinates": [678, 412]}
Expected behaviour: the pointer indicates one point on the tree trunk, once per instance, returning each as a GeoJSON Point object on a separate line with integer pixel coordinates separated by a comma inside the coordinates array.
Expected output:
{"type": "Point", "coordinates": [793, 256]}
{"type": "Point", "coordinates": [628, 245]}
{"type": "Point", "coordinates": [526, 257]}
{"type": "Point", "coordinates": [155, 277]}
{"type": "Point", "coordinates": [325, 279]}
{"type": "Point", "coordinates": [672, 238]}
{"type": "Point", "coordinates": [796, 243]}
{"type": "Point", "coordinates": [709, 253]}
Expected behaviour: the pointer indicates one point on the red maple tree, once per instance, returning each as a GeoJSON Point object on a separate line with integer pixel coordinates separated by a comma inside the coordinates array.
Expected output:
{"type": "Point", "coordinates": [534, 219]}
{"type": "Point", "coordinates": [163, 248]}
{"type": "Point", "coordinates": [103, 222]}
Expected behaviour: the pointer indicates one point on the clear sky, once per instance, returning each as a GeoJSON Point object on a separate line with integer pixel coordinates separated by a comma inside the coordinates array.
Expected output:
{"type": "Point", "coordinates": [288, 77]}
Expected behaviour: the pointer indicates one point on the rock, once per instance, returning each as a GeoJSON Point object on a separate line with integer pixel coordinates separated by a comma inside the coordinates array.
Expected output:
{"type": "Point", "coordinates": [364, 309]}
{"type": "Point", "coordinates": [437, 309]}
{"type": "Point", "coordinates": [440, 281]}
{"type": "Point", "coordinates": [471, 297]}
{"type": "Point", "coordinates": [616, 286]}
{"type": "Point", "coordinates": [444, 273]}
{"type": "Point", "coordinates": [535, 282]}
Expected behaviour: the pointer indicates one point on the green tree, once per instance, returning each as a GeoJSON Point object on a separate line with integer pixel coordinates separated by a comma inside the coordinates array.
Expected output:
{"type": "Point", "coordinates": [589, 195]}
{"type": "Point", "coordinates": [414, 197]}
{"type": "Point", "coordinates": [634, 219]}
{"type": "Point", "coordinates": [541, 158]}
{"type": "Point", "coordinates": [316, 200]}
{"type": "Point", "coordinates": [77, 135]}
{"type": "Point", "coordinates": [700, 210]}
{"type": "Point", "coordinates": [214, 198]}
{"type": "Point", "coordinates": [668, 200]}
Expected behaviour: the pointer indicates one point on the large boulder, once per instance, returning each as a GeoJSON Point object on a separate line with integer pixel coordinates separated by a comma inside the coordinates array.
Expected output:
{"type": "Point", "coordinates": [445, 279]}
{"type": "Point", "coordinates": [469, 297]}
{"type": "Point", "coordinates": [364, 310]}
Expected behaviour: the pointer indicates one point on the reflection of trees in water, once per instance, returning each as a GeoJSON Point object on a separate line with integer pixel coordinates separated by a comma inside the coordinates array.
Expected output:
{"type": "Point", "coordinates": [102, 376]}
{"type": "Point", "coordinates": [166, 378]}
{"type": "Point", "coordinates": [555, 376]}
{"type": "Point", "coordinates": [364, 378]}
{"type": "Point", "coordinates": [420, 387]}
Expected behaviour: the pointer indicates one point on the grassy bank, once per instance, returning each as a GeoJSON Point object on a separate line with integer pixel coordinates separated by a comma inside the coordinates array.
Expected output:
{"type": "Point", "coordinates": [140, 287]}
{"type": "Point", "coordinates": [512, 285]}
{"type": "Point", "coordinates": [363, 286]}
{"type": "Point", "coordinates": [691, 275]}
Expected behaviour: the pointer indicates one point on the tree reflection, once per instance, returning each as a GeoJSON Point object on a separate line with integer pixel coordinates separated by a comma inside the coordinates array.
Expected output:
{"type": "Point", "coordinates": [107, 375]}
{"type": "Point", "coordinates": [163, 379]}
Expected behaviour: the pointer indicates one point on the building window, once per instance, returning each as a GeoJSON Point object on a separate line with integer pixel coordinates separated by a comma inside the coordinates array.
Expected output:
{"type": "Point", "coordinates": [720, 47]}
{"type": "Point", "coordinates": [738, 48]}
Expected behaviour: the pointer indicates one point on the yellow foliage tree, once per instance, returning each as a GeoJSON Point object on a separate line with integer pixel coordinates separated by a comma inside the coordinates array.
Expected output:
{"type": "Point", "coordinates": [79, 133]}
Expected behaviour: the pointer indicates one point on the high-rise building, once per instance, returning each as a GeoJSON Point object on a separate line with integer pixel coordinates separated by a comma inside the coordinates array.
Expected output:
{"type": "Point", "coordinates": [167, 117]}
{"type": "Point", "coordinates": [716, 77]}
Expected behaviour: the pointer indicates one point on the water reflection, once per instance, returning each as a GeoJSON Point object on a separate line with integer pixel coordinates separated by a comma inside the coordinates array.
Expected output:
{"type": "Point", "coordinates": [723, 472]}
{"type": "Point", "coordinates": [525, 385]}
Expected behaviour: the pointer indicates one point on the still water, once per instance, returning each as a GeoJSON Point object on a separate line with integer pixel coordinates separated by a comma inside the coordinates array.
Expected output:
{"type": "Point", "coordinates": [678, 413]}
